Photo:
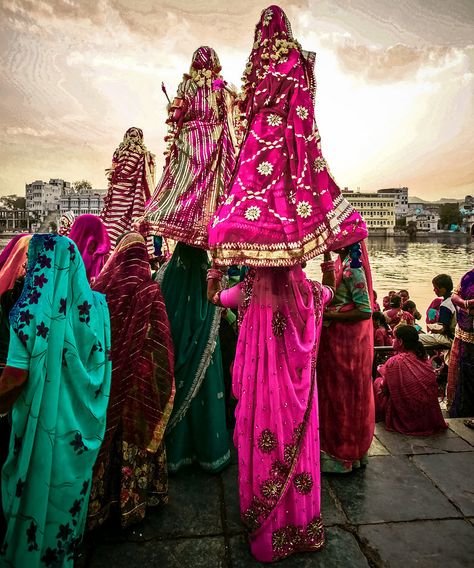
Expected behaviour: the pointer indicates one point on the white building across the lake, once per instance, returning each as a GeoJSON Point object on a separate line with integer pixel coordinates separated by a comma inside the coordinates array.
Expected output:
{"type": "Point", "coordinates": [378, 212]}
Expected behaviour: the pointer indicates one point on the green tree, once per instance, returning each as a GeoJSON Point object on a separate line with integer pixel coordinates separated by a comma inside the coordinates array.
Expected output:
{"type": "Point", "coordinates": [14, 202]}
{"type": "Point", "coordinates": [449, 214]}
{"type": "Point", "coordinates": [81, 185]}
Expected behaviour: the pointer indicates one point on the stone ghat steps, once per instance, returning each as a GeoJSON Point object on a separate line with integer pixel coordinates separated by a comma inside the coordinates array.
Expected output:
{"type": "Point", "coordinates": [413, 505]}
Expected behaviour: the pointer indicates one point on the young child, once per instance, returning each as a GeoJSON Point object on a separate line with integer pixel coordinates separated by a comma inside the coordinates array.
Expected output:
{"type": "Point", "coordinates": [396, 315]}
{"type": "Point", "coordinates": [382, 333]}
{"type": "Point", "coordinates": [410, 307]}
{"type": "Point", "coordinates": [386, 300]}
{"type": "Point", "coordinates": [443, 287]}
{"type": "Point", "coordinates": [432, 315]}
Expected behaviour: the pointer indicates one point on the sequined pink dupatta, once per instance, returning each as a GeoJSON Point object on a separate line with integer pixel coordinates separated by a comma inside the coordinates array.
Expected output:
{"type": "Point", "coordinates": [283, 205]}
{"type": "Point", "coordinates": [276, 430]}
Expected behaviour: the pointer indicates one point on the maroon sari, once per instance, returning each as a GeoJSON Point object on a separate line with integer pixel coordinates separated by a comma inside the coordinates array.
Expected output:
{"type": "Point", "coordinates": [346, 403]}
{"type": "Point", "coordinates": [130, 472]}
{"type": "Point", "coordinates": [406, 396]}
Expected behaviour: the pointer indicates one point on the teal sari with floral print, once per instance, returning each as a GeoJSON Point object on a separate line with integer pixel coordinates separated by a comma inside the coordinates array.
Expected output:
{"type": "Point", "coordinates": [60, 340]}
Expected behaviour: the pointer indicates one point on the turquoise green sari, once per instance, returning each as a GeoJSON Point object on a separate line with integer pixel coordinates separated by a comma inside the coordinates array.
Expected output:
{"type": "Point", "coordinates": [60, 340]}
{"type": "Point", "coordinates": [196, 431]}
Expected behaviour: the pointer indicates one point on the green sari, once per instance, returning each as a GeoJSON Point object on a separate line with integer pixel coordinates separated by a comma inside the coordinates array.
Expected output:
{"type": "Point", "coordinates": [59, 345]}
{"type": "Point", "coordinates": [196, 431]}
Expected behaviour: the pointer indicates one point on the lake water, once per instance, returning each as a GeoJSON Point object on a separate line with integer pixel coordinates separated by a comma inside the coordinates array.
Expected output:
{"type": "Point", "coordinates": [398, 263]}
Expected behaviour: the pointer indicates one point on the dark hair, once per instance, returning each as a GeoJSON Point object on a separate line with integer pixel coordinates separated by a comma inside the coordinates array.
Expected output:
{"type": "Point", "coordinates": [395, 301]}
{"type": "Point", "coordinates": [443, 281]}
{"type": "Point", "coordinates": [379, 318]}
{"type": "Point", "coordinates": [374, 294]}
{"type": "Point", "coordinates": [403, 291]}
{"type": "Point", "coordinates": [410, 339]}
{"type": "Point", "coordinates": [409, 305]}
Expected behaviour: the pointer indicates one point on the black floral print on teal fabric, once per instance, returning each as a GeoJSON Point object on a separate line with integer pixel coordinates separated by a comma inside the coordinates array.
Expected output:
{"type": "Point", "coordinates": [84, 311]}
{"type": "Point", "coordinates": [26, 317]}
{"type": "Point", "coordinates": [40, 280]}
{"type": "Point", "coordinates": [31, 536]}
{"type": "Point", "coordinates": [72, 252]}
{"type": "Point", "coordinates": [42, 330]}
{"type": "Point", "coordinates": [49, 243]}
{"type": "Point", "coordinates": [78, 444]}
{"type": "Point", "coordinates": [23, 337]}
{"type": "Point", "coordinates": [34, 297]}
{"type": "Point", "coordinates": [44, 261]}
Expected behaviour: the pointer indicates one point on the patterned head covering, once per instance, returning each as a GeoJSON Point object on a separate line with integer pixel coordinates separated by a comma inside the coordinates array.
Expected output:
{"type": "Point", "coordinates": [205, 58]}
{"type": "Point", "coordinates": [273, 41]}
{"type": "Point", "coordinates": [65, 223]}
{"type": "Point", "coordinates": [205, 68]}
{"type": "Point", "coordinates": [133, 141]}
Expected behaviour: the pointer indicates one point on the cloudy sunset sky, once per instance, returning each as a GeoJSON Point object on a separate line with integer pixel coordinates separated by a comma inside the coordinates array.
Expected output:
{"type": "Point", "coordinates": [395, 98]}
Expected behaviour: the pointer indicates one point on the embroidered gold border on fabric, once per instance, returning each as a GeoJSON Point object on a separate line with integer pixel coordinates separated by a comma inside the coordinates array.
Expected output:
{"type": "Point", "coordinates": [466, 336]}
{"type": "Point", "coordinates": [287, 254]}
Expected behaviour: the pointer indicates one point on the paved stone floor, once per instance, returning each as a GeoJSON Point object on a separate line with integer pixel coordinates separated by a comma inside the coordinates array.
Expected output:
{"type": "Point", "coordinates": [412, 506]}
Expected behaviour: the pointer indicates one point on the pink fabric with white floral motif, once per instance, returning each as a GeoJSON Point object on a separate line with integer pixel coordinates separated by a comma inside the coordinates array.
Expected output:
{"type": "Point", "coordinates": [283, 205]}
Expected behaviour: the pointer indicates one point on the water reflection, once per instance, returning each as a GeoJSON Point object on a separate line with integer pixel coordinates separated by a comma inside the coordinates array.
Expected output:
{"type": "Point", "coordinates": [400, 263]}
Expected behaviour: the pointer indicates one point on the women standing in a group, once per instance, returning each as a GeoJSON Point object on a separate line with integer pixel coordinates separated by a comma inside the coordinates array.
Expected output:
{"type": "Point", "coordinates": [57, 382]}
{"type": "Point", "coordinates": [93, 242]}
{"type": "Point", "coordinates": [346, 402]}
{"type": "Point", "coordinates": [197, 170]}
{"type": "Point", "coordinates": [282, 208]}
{"type": "Point", "coordinates": [130, 473]}
{"type": "Point", "coordinates": [131, 181]}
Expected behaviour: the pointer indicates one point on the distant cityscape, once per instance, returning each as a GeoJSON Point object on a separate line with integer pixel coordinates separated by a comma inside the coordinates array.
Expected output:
{"type": "Point", "coordinates": [45, 202]}
{"type": "Point", "coordinates": [388, 211]}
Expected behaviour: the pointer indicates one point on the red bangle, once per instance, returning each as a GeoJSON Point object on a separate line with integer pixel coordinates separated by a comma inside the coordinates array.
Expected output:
{"type": "Point", "coordinates": [214, 274]}
{"type": "Point", "coordinates": [328, 266]}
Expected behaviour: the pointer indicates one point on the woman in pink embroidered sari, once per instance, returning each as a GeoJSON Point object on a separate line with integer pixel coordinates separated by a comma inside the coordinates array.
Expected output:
{"type": "Point", "coordinates": [276, 431]}
{"type": "Point", "coordinates": [283, 206]}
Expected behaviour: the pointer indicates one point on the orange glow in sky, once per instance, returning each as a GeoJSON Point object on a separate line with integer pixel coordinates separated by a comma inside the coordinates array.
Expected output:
{"type": "Point", "coordinates": [395, 98]}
